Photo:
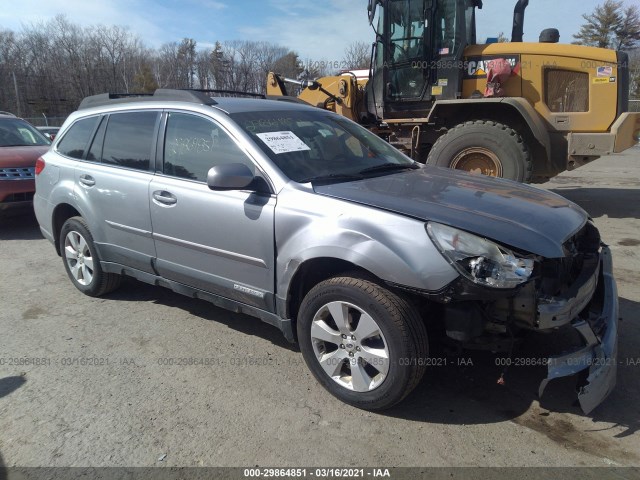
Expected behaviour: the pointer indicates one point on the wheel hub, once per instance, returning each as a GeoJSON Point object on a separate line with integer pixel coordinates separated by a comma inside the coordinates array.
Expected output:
{"type": "Point", "coordinates": [478, 160]}
{"type": "Point", "coordinates": [78, 258]}
{"type": "Point", "coordinates": [350, 346]}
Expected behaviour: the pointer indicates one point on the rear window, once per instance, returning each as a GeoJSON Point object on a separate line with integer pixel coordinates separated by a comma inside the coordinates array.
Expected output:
{"type": "Point", "coordinates": [15, 132]}
{"type": "Point", "coordinates": [76, 141]}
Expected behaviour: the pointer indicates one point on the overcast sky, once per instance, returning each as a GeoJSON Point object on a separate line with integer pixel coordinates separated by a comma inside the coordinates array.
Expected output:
{"type": "Point", "coordinates": [318, 29]}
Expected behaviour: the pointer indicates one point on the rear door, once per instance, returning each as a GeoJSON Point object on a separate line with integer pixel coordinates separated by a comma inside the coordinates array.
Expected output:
{"type": "Point", "coordinates": [217, 241]}
{"type": "Point", "coordinates": [112, 183]}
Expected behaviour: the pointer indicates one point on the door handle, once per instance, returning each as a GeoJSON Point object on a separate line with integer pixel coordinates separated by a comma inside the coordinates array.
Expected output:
{"type": "Point", "coordinates": [164, 197]}
{"type": "Point", "coordinates": [87, 180]}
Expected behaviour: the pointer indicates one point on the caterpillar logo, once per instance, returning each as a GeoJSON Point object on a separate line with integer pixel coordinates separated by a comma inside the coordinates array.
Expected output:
{"type": "Point", "coordinates": [476, 67]}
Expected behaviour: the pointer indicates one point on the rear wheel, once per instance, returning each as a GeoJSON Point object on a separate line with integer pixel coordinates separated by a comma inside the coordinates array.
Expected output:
{"type": "Point", "coordinates": [484, 147]}
{"type": "Point", "coordinates": [81, 260]}
{"type": "Point", "coordinates": [363, 343]}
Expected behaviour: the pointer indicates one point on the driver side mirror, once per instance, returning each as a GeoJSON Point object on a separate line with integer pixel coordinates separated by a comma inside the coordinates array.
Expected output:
{"type": "Point", "coordinates": [230, 176]}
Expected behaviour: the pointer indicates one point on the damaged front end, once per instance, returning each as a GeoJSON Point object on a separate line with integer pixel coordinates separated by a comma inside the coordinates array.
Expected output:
{"type": "Point", "coordinates": [598, 327]}
{"type": "Point", "coordinates": [577, 290]}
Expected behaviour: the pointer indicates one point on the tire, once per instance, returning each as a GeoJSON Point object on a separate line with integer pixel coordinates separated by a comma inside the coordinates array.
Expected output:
{"type": "Point", "coordinates": [486, 147]}
{"type": "Point", "coordinates": [81, 260]}
{"type": "Point", "coordinates": [390, 327]}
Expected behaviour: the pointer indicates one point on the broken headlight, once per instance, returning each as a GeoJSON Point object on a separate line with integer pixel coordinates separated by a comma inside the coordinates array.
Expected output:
{"type": "Point", "coordinates": [480, 260]}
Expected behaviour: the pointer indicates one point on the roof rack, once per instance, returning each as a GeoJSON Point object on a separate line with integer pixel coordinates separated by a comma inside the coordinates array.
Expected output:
{"type": "Point", "coordinates": [229, 93]}
{"type": "Point", "coordinates": [192, 96]}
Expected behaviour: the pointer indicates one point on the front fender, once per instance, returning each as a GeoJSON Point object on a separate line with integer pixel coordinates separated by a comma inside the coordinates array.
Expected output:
{"type": "Point", "coordinates": [391, 246]}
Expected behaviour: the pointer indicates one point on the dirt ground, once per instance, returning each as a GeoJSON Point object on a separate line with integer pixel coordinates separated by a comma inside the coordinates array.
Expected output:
{"type": "Point", "coordinates": [145, 377]}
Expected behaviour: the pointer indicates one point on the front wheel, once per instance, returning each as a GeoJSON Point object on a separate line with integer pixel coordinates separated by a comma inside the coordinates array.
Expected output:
{"type": "Point", "coordinates": [484, 147]}
{"type": "Point", "coordinates": [363, 343]}
{"type": "Point", "coordinates": [81, 260]}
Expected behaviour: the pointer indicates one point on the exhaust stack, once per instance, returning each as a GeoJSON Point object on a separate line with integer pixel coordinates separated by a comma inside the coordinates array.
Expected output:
{"type": "Point", "coordinates": [518, 20]}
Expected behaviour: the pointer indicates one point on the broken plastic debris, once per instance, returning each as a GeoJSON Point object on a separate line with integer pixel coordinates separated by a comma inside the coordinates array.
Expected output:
{"type": "Point", "coordinates": [162, 457]}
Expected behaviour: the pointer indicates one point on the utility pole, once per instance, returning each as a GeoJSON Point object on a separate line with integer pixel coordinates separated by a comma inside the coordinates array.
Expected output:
{"type": "Point", "coordinates": [15, 86]}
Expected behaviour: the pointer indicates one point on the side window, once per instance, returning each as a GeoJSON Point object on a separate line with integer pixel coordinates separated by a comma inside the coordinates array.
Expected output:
{"type": "Point", "coordinates": [446, 32]}
{"type": "Point", "coordinates": [407, 22]}
{"type": "Point", "coordinates": [27, 136]}
{"type": "Point", "coordinates": [76, 140]}
{"type": "Point", "coordinates": [128, 141]}
{"type": "Point", "coordinates": [194, 144]}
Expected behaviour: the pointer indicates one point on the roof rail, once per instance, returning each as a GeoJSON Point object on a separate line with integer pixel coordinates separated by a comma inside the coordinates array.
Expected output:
{"type": "Point", "coordinates": [192, 96]}
{"type": "Point", "coordinates": [230, 93]}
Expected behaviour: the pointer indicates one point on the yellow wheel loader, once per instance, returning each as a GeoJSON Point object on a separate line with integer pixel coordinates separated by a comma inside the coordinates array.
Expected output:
{"type": "Point", "coordinates": [523, 111]}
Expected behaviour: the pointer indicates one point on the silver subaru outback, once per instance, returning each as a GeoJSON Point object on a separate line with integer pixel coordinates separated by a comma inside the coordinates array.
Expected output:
{"type": "Point", "coordinates": [311, 223]}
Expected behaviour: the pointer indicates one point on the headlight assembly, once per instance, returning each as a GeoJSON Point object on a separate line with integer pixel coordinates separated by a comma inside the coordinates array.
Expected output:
{"type": "Point", "coordinates": [480, 260]}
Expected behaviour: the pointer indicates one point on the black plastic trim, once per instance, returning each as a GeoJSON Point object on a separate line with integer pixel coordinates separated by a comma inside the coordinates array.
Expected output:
{"type": "Point", "coordinates": [285, 325]}
{"type": "Point", "coordinates": [623, 83]}
{"type": "Point", "coordinates": [161, 94]}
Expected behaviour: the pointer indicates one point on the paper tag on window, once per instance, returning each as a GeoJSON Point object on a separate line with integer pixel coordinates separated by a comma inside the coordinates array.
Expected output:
{"type": "Point", "coordinates": [283, 142]}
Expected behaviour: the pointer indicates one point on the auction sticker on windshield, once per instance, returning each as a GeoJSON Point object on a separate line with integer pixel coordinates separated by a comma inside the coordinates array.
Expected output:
{"type": "Point", "coordinates": [283, 142]}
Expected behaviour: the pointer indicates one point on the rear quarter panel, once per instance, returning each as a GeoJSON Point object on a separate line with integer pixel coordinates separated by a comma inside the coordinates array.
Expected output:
{"type": "Point", "coordinates": [54, 187]}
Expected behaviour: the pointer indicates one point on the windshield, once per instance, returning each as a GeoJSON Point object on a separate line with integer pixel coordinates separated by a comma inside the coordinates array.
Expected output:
{"type": "Point", "coordinates": [315, 145]}
{"type": "Point", "coordinates": [18, 133]}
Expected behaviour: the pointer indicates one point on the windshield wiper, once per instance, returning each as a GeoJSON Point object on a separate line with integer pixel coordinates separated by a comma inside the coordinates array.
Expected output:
{"type": "Point", "coordinates": [339, 177]}
{"type": "Point", "coordinates": [389, 167]}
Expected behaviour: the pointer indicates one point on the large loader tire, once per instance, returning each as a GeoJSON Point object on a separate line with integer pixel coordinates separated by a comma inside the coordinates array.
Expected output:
{"type": "Point", "coordinates": [485, 147]}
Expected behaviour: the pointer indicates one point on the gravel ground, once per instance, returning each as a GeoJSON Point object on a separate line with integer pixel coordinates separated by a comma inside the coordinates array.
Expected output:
{"type": "Point", "coordinates": [101, 390]}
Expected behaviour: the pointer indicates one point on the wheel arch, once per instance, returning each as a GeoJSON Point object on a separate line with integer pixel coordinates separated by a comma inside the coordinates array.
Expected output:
{"type": "Point", "coordinates": [315, 270]}
{"type": "Point", "coordinates": [61, 214]}
{"type": "Point", "coordinates": [516, 113]}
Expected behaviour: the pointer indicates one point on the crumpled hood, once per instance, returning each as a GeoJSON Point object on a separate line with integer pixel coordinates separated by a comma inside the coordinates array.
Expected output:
{"type": "Point", "coordinates": [513, 214]}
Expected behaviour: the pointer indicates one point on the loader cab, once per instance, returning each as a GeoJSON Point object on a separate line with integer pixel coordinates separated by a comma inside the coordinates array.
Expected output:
{"type": "Point", "coordinates": [418, 53]}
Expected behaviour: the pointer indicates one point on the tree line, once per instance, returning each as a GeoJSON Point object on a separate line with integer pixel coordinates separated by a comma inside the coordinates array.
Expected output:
{"type": "Point", "coordinates": [615, 24]}
{"type": "Point", "coordinates": [48, 68]}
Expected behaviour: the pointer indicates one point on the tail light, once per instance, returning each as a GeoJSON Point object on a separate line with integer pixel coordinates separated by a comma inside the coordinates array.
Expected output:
{"type": "Point", "coordinates": [39, 166]}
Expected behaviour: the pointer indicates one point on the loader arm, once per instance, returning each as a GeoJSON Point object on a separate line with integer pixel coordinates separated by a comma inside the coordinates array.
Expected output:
{"type": "Point", "coordinates": [342, 94]}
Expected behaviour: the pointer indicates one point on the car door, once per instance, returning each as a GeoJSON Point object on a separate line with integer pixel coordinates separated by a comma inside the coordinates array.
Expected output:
{"type": "Point", "coordinates": [113, 184]}
{"type": "Point", "coordinates": [217, 241]}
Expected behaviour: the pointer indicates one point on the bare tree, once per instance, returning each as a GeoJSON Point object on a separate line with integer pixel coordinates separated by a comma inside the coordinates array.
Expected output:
{"type": "Point", "coordinates": [357, 56]}
{"type": "Point", "coordinates": [49, 67]}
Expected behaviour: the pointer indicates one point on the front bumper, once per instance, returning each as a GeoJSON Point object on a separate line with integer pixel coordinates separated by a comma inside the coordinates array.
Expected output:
{"type": "Point", "coordinates": [16, 193]}
{"type": "Point", "coordinates": [624, 134]}
{"type": "Point", "coordinates": [599, 355]}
